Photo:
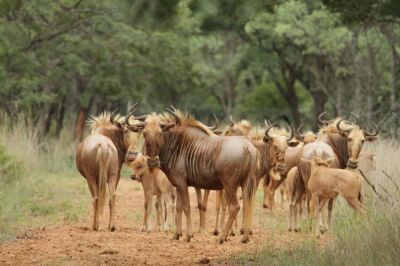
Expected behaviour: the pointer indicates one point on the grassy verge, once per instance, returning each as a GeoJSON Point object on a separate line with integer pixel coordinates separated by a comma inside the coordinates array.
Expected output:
{"type": "Point", "coordinates": [43, 187]}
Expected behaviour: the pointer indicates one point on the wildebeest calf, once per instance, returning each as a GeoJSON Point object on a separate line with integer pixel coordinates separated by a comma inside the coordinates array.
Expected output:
{"type": "Point", "coordinates": [326, 183]}
{"type": "Point", "coordinates": [155, 183]}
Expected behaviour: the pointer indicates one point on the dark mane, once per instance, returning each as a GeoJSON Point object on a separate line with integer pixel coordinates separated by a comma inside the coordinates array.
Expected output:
{"type": "Point", "coordinates": [339, 145]}
{"type": "Point", "coordinates": [265, 152]}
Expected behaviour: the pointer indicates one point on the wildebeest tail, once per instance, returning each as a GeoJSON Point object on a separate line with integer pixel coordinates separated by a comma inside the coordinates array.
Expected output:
{"type": "Point", "coordinates": [250, 163]}
{"type": "Point", "coordinates": [103, 157]}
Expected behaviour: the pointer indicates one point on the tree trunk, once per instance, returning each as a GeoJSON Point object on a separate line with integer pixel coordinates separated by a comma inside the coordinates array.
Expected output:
{"type": "Point", "coordinates": [60, 117]}
{"type": "Point", "coordinates": [80, 123]}
{"type": "Point", "coordinates": [319, 98]}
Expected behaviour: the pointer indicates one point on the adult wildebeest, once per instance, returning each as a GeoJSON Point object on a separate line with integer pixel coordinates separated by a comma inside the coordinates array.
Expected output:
{"type": "Point", "coordinates": [99, 159]}
{"type": "Point", "coordinates": [191, 158]}
{"type": "Point", "coordinates": [271, 149]}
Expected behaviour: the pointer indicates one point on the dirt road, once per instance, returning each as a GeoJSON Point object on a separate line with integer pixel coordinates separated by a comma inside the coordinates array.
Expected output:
{"type": "Point", "coordinates": [77, 244]}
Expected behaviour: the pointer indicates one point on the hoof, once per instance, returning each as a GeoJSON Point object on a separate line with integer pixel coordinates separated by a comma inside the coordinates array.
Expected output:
{"type": "Point", "coordinates": [95, 228]}
{"type": "Point", "coordinates": [232, 233]}
{"type": "Point", "coordinates": [245, 240]}
{"type": "Point", "coordinates": [143, 230]}
{"type": "Point", "coordinates": [251, 232]}
{"type": "Point", "coordinates": [176, 236]}
{"type": "Point", "coordinates": [265, 206]}
{"type": "Point", "coordinates": [241, 231]}
{"type": "Point", "coordinates": [290, 229]}
{"type": "Point", "coordinates": [215, 232]}
{"type": "Point", "coordinates": [297, 230]}
{"type": "Point", "coordinates": [221, 240]}
{"type": "Point", "coordinates": [112, 229]}
{"type": "Point", "coordinates": [188, 237]}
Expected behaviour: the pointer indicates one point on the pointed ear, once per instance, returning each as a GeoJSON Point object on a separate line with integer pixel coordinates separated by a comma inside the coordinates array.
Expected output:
{"type": "Point", "coordinates": [267, 140]}
{"type": "Point", "coordinates": [371, 138]}
{"type": "Point", "coordinates": [218, 133]}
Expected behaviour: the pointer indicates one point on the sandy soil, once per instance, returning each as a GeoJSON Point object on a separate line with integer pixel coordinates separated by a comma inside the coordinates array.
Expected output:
{"type": "Point", "coordinates": [77, 244]}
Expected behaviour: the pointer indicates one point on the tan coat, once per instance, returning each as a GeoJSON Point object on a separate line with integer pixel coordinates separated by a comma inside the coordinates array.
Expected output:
{"type": "Point", "coordinates": [155, 183]}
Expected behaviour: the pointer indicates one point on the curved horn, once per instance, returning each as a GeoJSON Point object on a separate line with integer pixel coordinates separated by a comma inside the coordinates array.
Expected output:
{"type": "Point", "coordinates": [231, 120]}
{"type": "Point", "coordinates": [112, 116]}
{"type": "Point", "coordinates": [323, 122]}
{"type": "Point", "coordinates": [338, 126]}
{"type": "Point", "coordinates": [266, 134]}
{"type": "Point", "coordinates": [267, 123]}
{"type": "Point", "coordinates": [299, 132]}
{"type": "Point", "coordinates": [216, 125]}
{"type": "Point", "coordinates": [172, 112]}
{"type": "Point", "coordinates": [376, 132]}
{"type": "Point", "coordinates": [127, 118]}
{"type": "Point", "coordinates": [132, 109]}
{"type": "Point", "coordinates": [291, 133]}
{"type": "Point", "coordinates": [355, 116]}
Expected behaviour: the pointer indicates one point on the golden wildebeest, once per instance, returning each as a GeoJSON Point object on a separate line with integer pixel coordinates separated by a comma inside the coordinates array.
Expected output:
{"type": "Point", "coordinates": [291, 147]}
{"type": "Point", "coordinates": [154, 183]}
{"type": "Point", "coordinates": [326, 183]}
{"type": "Point", "coordinates": [99, 159]}
{"type": "Point", "coordinates": [189, 157]}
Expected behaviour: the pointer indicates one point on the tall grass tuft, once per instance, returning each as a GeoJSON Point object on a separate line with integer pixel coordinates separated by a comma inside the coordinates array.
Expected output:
{"type": "Point", "coordinates": [39, 184]}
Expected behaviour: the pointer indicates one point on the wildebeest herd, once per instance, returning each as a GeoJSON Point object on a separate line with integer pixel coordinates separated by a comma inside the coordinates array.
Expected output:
{"type": "Point", "coordinates": [180, 151]}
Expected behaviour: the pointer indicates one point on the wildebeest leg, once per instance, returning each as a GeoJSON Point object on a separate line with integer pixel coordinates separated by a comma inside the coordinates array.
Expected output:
{"type": "Point", "coordinates": [186, 209]}
{"type": "Point", "coordinates": [266, 191]}
{"type": "Point", "coordinates": [111, 189]}
{"type": "Point", "coordinates": [323, 215]}
{"type": "Point", "coordinates": [148, 205]}
{"type": "Point", "coordinates": [178, 218]}
{"type": "Point", "coordinates": [356, 204]}
{"type": "Point", "coordinates": [330, 208]}
{"type": "Point", "coordinates": [233, 208]}
{"type": "Point", "coordinates": [218, 199]}
{"type": "Point", "coordinates": [204, 209]}
{"type": "Point", "coordinates": [93, 190]}
{"type": "Point", "coordinates": [160, 213]}
{"type": "Point", "coordinates": [200, 207]}
{"type": "Point", "coordinates": [168, 213]}
{"type": "Point", "coordinates": [314, 208]}
{"type": "Point", "coordinates": [223, 209]}
{"type": "Point", "coordinates": [298, 198]}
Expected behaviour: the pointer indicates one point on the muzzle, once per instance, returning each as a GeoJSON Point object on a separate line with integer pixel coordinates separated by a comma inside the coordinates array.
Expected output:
{"type": "Point", "coordinates": [153, 162]}
{"type": "Point", "coordinates": [352, 164]}
{"type": "Point", "coordinates": [281, 168]}
{"type": "Point", "coordinates": [131, 156]}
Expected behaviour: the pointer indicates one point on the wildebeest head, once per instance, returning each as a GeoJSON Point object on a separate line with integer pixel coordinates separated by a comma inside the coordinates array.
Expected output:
{"type": "Point", "coordinates": [279, 143]}
{"type": "Point", "coordinates": [241, 128]}
{"type": "Point", "coordinates": [153, 129]}
{"type": "Point", "coordinates": [139, 167]}
{"type": "Point", "coordinates": [355, 137]}
{"type": "Point", "coordinates": [307, 137]}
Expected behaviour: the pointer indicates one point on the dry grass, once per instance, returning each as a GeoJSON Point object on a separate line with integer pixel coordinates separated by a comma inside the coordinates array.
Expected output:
{"type": "Point", "coordinates": [48, 189]}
